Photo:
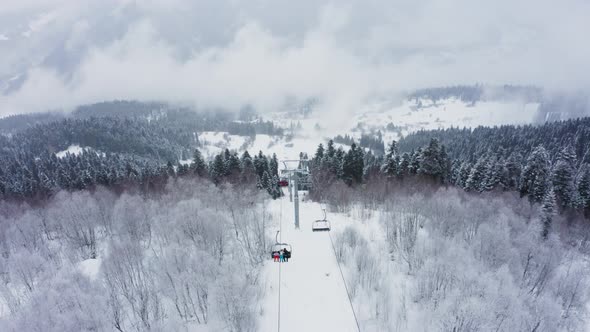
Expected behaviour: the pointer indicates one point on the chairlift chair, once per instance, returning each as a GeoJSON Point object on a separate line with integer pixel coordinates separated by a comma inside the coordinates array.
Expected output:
{"type": "Point", "coordinates": [321, 225]}
{"type": "Point", "coordinates": [278, 247]}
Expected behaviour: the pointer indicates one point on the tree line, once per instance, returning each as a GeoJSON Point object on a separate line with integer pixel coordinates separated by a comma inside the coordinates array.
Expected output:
{"type": "Point", "coordinates": [27, 177]}
{"type": "Point", "coordinates": [369, 141]}
{"type": "Point", "coordinates": [559, 181]}
{"type": "Point", "coordinates": [478, 92]}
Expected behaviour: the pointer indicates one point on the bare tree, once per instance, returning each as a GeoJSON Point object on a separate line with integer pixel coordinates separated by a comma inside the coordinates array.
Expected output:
{"type": "Point", "coordinates": [127, 274]}
{"type": "Point", "coordinates": [79, 217]}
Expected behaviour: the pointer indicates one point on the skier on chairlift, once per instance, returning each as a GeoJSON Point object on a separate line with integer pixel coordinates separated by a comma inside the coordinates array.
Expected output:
{"type": "Point", "coordinates": [286, 255]}
{"type": "Point", "coordinates": [282, 256]}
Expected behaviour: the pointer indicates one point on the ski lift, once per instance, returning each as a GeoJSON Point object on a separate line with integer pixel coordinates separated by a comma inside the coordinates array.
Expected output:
{"type": "Point", "coordinates": [321, 225]}
{"type": "Point", "coordinates": [283, 182]}
{"type": "Point", "coordinates": [278, 247]}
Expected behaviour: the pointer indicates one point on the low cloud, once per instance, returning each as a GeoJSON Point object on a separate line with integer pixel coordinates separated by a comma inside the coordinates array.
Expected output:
{"type": "Point", "coordinates": [232, 53]}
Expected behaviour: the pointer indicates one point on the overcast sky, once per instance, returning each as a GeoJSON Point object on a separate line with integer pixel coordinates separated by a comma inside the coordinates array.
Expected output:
{"type": "Point", "coordinates": [60, 53]}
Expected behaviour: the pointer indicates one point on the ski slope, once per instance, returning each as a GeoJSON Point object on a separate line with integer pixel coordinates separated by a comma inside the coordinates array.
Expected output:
{"type": "Point", "coordinates": [312, 294]}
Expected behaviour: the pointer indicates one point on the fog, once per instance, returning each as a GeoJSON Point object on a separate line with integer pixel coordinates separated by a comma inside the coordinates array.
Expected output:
{"type": "Point", "coordinates": [58, 54]}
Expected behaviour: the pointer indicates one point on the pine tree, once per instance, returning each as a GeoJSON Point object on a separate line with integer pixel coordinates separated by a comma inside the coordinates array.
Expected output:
{"type": "Point", "coordinates": [319, 155]}
{"type": "Point", "coordinates": [476, 179]}
{"type": "Point", "coordinates": [512, 170]}
{"type": "Point", "coordinates": [273, 165]}
{"type": "Point", "coordinates": [260, 164]}
{"type": "Point", "coordinates": [232, 165]}
{"type": "Point", "coordinates": [182, 169]}
{"type": "Point", "coordinates": [266, 182]}
{"type": "Point", "coordinates": [330, 151]}
{"type": "Point", "coordinates": [63, 179]}
{"type": "Point", "coordinates": [548, 211]}
{"type": "Point", "coordinates": [248, 171]}
{"type": "Point", "coordinates": [348, 167]}
{"type": "Point", "coordinates": [430, 160]}
{"type": "Point", "coordinates": [404, 165]}
{"type": "Point", "coordinates": [226, 162]}
{"type": "Point", "coordinates": [359, 164]}
{"type": "Point", "coordinates": [353, 165]}
{"type": "Point", "coordinates": [415, 161]}
{"type": "Point", "coordinates": [337, 163]}
{"type": "Point", "coordinates": [535, 175]}
{"type": "Point", "coordinates": [562, 179]}
{"type": "Point", "coordinates": [390, 166]}
{"type": "Point", "coordinates": [329, 161]}
{"type": "Point", "coordinates": [103, 177]}
{"type": "Point", "coordinates": [217, 169]}
{"type": "Point", "coordinates": [584, 188]}
{"type": "Point", "coordinates": [568, 154]}
{"type": "Point", "coordinates": [464, 172]}
{"type": "Point", "coordinates": [493, 175]}
{"type": "Point", "coordinates": [445, 165]}
{"type": "Point", "coordinates": [455, 171]}
{"type": "Point", "coordinates": [198, 166]}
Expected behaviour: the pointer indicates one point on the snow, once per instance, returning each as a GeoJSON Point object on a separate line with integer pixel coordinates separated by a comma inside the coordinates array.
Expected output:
{"type": "Point", "coordinates": [313, 295]}
{"type": "Point", "coordinates": [76, 149]}
{"type": "Point", "coordinates": [215, 142]}
{"type": "Point", "coordinates": [424, 115]}
{"type": "Point", "coordinates": [90, 268]}
{"type": "Point", "coordinates": [72, 149]}
{"type": "Point", "coordinates": [409, 116]}
{"type": "Point", "coordinates": [452, 112]}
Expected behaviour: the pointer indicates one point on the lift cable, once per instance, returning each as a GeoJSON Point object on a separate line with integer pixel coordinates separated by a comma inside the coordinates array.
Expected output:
{"type": "Point", "coordinates": [344, 281]}
{"type": "Point", "coordinates": [280, 241]}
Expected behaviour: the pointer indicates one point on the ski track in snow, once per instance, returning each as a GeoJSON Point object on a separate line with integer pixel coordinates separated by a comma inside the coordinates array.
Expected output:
{"type": "Point", "coordinates": [313, 296]}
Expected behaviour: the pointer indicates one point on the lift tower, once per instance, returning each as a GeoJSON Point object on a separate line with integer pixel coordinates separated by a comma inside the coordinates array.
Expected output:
{"type": "Point", "coordinates": [298, 173]}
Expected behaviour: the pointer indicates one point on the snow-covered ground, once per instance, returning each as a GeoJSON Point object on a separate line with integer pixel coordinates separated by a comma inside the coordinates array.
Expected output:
{"type": "Point", "coordinates": [426, 114]}
{"type": "Point", "coordinates": [411, 115]}
{"type": "Point", "coordinates": [405, 117]}
{"type": "Point", "coordinates": [90, 267]}
{"type": "Point", "coordinates": [313, 295]}
{"type": "Point", "coordinates": [74, 149]}
{"type": "Point", "coordinates": [215, 142]}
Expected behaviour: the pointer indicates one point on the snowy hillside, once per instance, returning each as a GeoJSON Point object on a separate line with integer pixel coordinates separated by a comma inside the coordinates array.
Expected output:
{"type": "Point", "coordinates": [214, 142]}
{"type": "Point", "coordinates": [414, 115]}
{"type": "Point", "coordinates": [393, 120]}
